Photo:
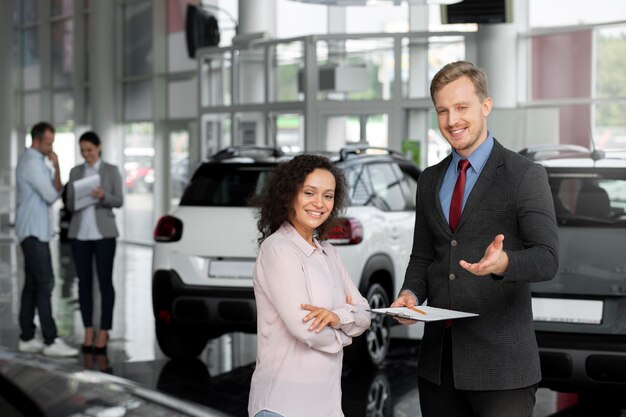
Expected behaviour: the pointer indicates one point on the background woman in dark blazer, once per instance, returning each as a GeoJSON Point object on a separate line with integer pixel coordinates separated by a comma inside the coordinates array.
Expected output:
{"type": "Point", "coordinates": [93, 234]}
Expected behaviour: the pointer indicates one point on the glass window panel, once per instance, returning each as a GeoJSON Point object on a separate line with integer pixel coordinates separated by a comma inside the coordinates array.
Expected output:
{"type": "Point", "coordinates": [387, 193]}
{"type": "Point", "coordinates": [227, 20]}
{"type": "Point", "coordinates": [355, 69]}
{"type": "Point", "coordinates": [63, 53]}
{"type": "Point", "coordinates": [30, 12]}
{"type": "Point", "coordinates": [376, 130]}
{"type": "Point", "coordinates": [63, 108]}
{"type": "Point", "coordinates": [610, 126]}
{"type": "Point", "coordinates": [567, 124]}
{"type": "Point", "coordinates": [16, 13]}
{"type": "Point", "coordinates": [423, 57]}
{"type": "Point", "coordinates": [215, 132]}
{"type": "Point", "coordinates": [574, 12]}
{"type": "Point", "coordinates": [66, 149]}
{"type": "Point", "coordinates": [583, 201]}
{"type": "Point", "coordinates": [32, 110]}
{"type": "Point", "coordinates": [138, 52]}
{"type": "Point", "coordinates": [610, 62]}
{"type": "Point", "coordinates": [87, 107]}
{"type": "Point", "coordinates": [249, 128]}
{"type": "Point", "coordinates": [182, 101]}
{"type": "Point", "coordinates": [295, 18]}
{"type": "Point", "coordinates": [139, 177]}
{"type": "Point", "coordinates": [288, 131]}
{"type": "Point", "coordinates": [177, 55]}
{"type": "Point", "coordinates": [251, 86]}
{"type": "Point", "coordinates": [216, 80]}
{"type": "Point", "coordinates": [87, 48]}
{"type": "Point", "coordinates": [383, 17]}
{"type": "Point", "coordinates": [359, 187]}
{"type": "Point", "coordinates": [367, 128]}
{"type": "Point", "coordinates": [138, 101]}
{"type": "Point", "coordinates": [30, 59]}
{"type": "Point", "coordinates": [287, 64]}
{"type": "Point", "coordinates": [62, 7]}
{"type": "Point", "coordinates": [179, 164]}
{"type": "Point", "coordinates": [561, 65]}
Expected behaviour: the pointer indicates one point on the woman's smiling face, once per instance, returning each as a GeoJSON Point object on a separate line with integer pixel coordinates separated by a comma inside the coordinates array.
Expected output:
{"type": "Point", "coordinates": [313, 203]}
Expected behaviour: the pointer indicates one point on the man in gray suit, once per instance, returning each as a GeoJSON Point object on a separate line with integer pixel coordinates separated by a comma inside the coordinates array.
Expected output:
{"type": "Point", "coordinates": [484, 230]}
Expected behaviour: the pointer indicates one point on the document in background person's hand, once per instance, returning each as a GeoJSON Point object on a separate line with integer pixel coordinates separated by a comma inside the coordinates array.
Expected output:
{"type": "Point", "coordinates": [82, 191]}
{"type": "Point", "coordinates": [423, 313]}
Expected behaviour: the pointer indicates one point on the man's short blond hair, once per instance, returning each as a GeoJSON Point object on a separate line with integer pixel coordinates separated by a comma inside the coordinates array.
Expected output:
{"type": "Point", "coordinates": [455, 70]}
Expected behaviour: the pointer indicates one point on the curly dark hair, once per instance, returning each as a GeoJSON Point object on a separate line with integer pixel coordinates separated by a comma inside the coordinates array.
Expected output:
{"type": "Point", "coordinates": [275, 203]}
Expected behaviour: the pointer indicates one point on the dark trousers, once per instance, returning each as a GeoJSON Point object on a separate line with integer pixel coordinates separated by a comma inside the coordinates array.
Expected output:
{"type": "Point", "coordinates": [445, 400]}
{"type": "Point", "coordinates": [37, 291]}
{"type": "Point", "coordinates": [84, 252]}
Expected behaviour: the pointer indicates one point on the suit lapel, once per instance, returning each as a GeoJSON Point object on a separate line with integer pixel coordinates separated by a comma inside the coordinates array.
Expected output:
{"type": "Point", "coordinates": [485, 181]}
{"type": "Point", "coordinates": [440, 171]}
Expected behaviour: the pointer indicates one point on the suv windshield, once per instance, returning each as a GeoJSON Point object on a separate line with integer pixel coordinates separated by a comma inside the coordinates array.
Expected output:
{"type": "Point", "coordinates": [225, 185]}
{"type": "Point", "coordinates": [594, 199]}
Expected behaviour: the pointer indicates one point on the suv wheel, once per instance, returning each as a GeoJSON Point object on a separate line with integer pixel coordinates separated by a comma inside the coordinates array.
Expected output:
{"type": "Point", "coordinates": [371, 347]}
{"type": "Point", "coordinates": [180, 343]}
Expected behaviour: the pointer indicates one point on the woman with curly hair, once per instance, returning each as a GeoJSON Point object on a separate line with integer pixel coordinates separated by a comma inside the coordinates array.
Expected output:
{"type": "Point", "coordinates": [308, 308]}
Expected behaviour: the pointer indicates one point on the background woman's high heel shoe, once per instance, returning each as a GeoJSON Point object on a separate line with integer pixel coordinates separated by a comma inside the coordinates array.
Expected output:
{"type": "Point", "coordinates": [101, 350]}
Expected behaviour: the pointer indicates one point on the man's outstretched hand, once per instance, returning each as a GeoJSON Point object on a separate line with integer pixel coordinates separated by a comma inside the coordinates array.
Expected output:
{"type": "Point", "coordinates": [495, 261]}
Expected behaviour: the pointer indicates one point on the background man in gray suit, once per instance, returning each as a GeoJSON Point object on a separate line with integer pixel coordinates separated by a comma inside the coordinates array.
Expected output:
{"type": "Point", "coordinates": [483, 232]}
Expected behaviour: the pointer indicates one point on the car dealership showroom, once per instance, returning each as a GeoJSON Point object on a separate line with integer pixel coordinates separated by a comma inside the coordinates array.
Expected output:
{"type": "Point", "coordinates": [194, 103]}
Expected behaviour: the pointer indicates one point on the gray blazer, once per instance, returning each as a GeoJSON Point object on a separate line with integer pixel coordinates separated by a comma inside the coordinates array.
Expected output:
{"type": "Point", "coordinates": [111, 182]}
{"type": "Point", "coordinates": [496, 350]}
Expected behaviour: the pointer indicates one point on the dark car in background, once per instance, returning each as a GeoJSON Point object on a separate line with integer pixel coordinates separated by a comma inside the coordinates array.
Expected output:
{"type": "Point", "coordinates": [580, 315]}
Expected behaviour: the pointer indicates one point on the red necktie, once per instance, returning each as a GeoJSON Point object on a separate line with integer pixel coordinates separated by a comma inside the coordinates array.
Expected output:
{"type": "Point", "coordinates": [456, 205]}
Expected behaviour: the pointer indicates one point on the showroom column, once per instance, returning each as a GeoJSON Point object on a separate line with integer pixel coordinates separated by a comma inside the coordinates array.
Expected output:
{"type": "Point", "coordinates": [105, 104]}
{"type": "Point", "coordinates": [7, 132]}
{"type": "Point", "coordinates": [255, 17]}
{"type": "Point", "coordinates": [499, 55]}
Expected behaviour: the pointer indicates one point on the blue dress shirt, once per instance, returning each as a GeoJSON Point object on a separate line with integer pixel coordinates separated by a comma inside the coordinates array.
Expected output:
{"type": "Point", "coordinates": [35, 194]}
{"type": "Point", "coordinates": [477, 160]}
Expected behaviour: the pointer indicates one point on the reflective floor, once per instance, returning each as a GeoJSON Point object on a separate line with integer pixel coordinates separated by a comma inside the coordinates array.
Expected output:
{"type": "Point", "coordinates": [220, 378]}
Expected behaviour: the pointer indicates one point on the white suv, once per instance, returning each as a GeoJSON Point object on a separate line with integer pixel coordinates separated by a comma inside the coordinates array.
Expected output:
{"type": "Point", "coordinates": [206, 248]}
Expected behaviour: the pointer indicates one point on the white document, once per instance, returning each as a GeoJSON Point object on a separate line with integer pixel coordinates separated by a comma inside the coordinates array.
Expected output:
{"type": "Point", "coordinates": [82, 191]}
{"type": "Point", "coordinates": [423, 313]}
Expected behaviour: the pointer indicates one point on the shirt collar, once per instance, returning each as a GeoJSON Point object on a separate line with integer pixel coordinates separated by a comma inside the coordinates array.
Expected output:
{"type": "Point", "coordinates": [35, 152]}
{"type": "Point", "coordinates": [478, 157]}
{"type": "Point", "coordinates": [95, 167]}
{"type": "Point", "coordinates": [292, 234]}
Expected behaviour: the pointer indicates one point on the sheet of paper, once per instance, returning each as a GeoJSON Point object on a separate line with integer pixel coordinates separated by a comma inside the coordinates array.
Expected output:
{"type": "Point", "coordinates": [425, 313]}
{"type": "Point", "coordinates": [82, 191]}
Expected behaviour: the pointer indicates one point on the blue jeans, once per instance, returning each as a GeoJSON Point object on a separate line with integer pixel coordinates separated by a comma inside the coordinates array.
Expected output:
{"type": "Point", "coordinates": [84, 251]}
{"type": "Point", "coordinates": [37, 291]}
{"type": "Point", "coordinates": [266, 413]}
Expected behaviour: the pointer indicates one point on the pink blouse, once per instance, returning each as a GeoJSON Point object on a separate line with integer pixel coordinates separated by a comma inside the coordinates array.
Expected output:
{"type": "Point", "coordinates": [298, 372]}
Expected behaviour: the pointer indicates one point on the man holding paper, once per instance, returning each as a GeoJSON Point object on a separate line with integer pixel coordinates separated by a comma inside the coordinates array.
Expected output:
{"type": "Point", "coordinates": [484, 230]}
